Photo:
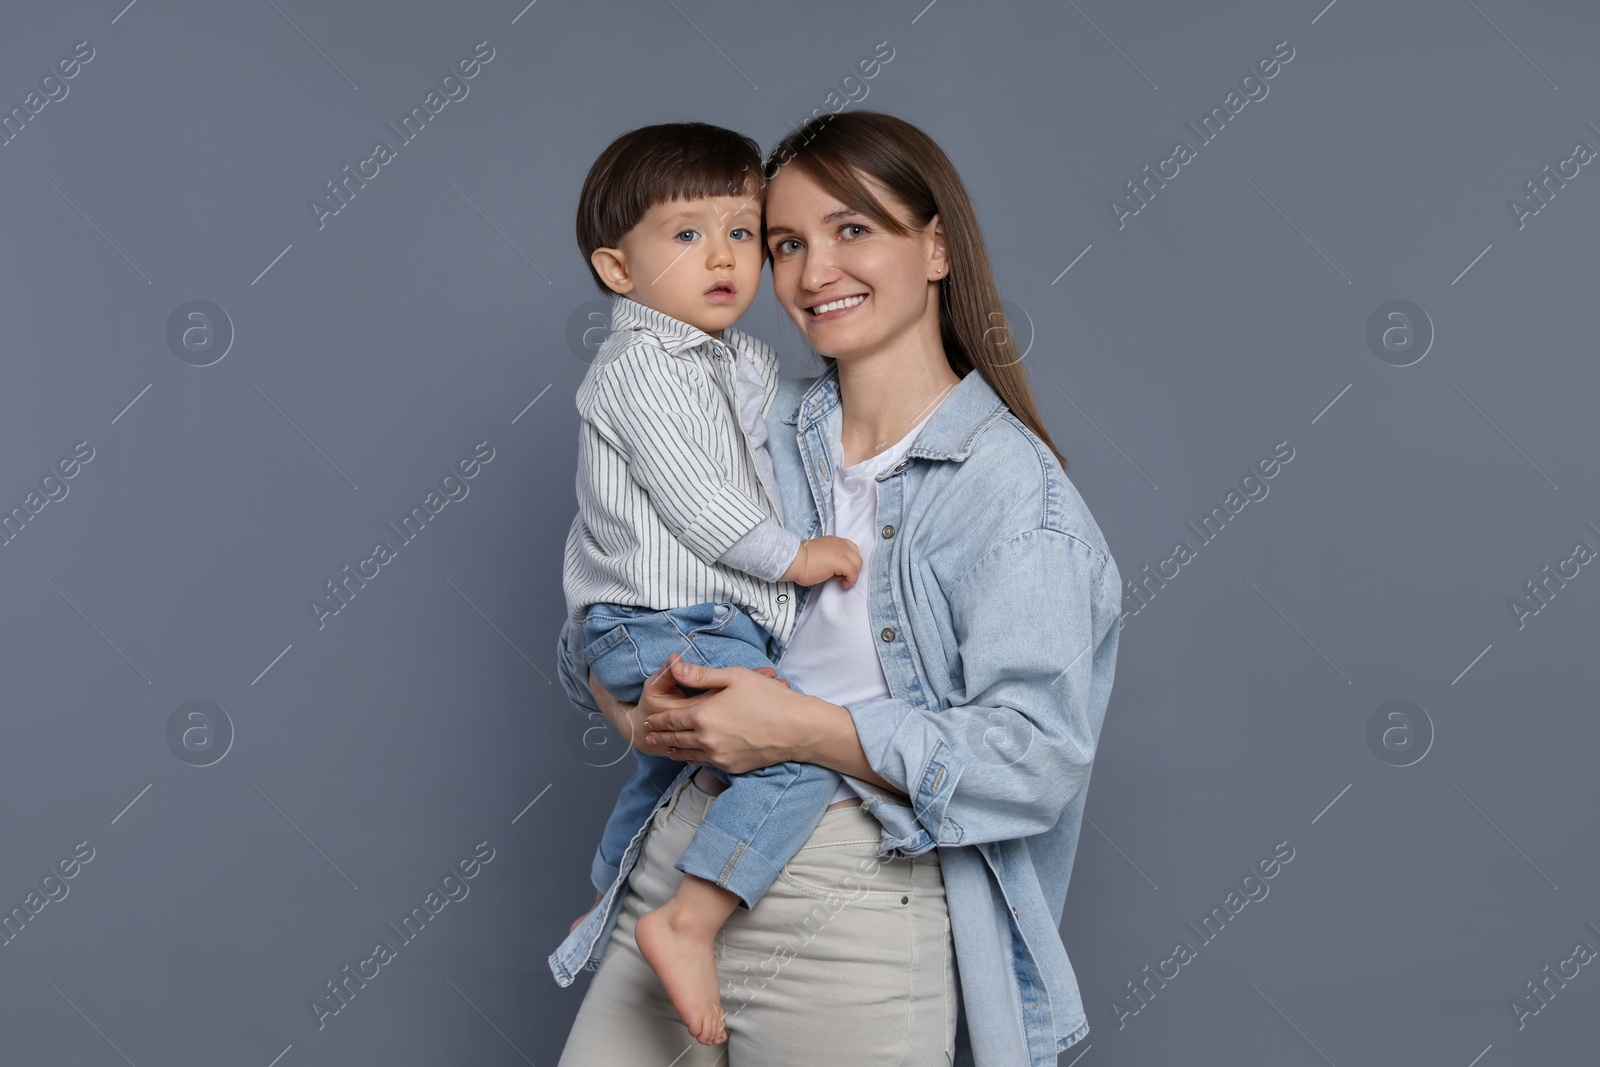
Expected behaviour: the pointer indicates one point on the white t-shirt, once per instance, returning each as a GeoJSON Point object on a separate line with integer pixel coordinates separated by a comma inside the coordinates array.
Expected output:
{"type": "Point", "coordinates": [833, 653]}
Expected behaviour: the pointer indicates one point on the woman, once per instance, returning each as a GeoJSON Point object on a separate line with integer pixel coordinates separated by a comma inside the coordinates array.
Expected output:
{"type": "Point", "coordinates": [979, 649]}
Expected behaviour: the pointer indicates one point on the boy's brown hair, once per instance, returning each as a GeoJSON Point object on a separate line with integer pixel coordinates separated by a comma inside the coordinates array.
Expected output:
{"type": "Point", "coordinates": [654, 164]}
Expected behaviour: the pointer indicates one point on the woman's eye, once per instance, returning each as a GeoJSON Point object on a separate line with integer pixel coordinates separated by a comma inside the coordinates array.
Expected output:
{"type": "Point", "coordinates": [783, 245]}
{"type": "Point", "coordinates": [852, 226]}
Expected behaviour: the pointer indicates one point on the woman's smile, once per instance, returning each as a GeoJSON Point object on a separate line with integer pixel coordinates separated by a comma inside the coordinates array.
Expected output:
{"type": "Point", "coordinates": [833, 309]}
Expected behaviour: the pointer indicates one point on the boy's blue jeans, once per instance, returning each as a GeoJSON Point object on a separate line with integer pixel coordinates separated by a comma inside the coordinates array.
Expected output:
{"type": "Point", "coordinates": [759, 822]}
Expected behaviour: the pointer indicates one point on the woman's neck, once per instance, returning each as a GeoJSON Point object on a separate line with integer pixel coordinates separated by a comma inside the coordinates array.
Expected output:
{"type": "Point", "coordinates": [883, 395]}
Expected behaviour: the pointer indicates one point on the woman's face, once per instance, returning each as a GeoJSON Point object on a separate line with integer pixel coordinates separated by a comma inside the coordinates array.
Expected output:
{"type": "Point", "coordinates": [852, 287]}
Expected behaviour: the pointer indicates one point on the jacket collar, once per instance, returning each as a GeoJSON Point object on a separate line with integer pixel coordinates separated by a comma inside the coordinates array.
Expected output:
{"type": "Point", "coordinates": [949, 434]}
{"type": "Point", "coordinates": [674, 335]}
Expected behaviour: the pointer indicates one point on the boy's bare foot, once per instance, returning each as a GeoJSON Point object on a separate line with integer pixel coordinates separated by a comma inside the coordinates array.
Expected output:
{"type": "Point", "coordinates": [680, 947]}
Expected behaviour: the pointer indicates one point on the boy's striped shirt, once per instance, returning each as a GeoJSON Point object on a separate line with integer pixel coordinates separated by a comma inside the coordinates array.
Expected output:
{"type": "Point", "coordinates": [667, 483]}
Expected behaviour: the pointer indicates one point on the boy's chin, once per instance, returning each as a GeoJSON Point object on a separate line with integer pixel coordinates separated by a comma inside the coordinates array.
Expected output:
{"type": "Point", "coordinates": [717, 317]}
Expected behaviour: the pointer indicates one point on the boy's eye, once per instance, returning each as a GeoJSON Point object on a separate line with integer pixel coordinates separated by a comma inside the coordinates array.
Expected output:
{"type": "Point", "coordinates": [691, 233]}
{"type": "Point", "coordinates": [737, 230]}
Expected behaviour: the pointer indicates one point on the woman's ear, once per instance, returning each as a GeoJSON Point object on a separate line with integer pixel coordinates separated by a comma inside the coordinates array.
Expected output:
{"type": "Point", "coordinates": [612, 266]}
{"type": "Point", "coordinates": [938, 249]}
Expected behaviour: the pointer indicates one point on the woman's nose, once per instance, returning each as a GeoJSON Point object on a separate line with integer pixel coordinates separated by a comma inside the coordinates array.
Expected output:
{"type": "Point", "coordinates": [817, 271]}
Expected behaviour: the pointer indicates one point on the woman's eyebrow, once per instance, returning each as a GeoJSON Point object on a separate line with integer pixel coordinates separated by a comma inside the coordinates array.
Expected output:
{"type": "Point", "coordinates": [832, 216]}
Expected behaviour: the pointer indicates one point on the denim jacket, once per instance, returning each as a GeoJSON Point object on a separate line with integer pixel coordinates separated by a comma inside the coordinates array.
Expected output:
{"type": "Point", "coordinates": [994, 603]}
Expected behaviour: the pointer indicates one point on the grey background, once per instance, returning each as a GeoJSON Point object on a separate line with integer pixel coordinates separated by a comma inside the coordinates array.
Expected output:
{"type": "Point", "coordinates": [372, 754]}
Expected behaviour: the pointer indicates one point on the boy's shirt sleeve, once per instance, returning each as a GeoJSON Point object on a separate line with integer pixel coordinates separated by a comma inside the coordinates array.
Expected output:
{"type": "Point", "coordinates": [665, 415]}
{"type": "Point", "coordinates": [764, 552]}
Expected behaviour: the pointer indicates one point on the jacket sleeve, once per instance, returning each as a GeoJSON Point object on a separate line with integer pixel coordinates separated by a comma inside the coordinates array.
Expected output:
{"type": "Point", "coordinates": [1036, 623]}
{"type": "Point", "coordinates": [670, 421]}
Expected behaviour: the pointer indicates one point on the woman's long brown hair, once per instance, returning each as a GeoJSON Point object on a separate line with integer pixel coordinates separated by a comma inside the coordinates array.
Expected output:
{"type": "Point", "coordinates": [835, 150]}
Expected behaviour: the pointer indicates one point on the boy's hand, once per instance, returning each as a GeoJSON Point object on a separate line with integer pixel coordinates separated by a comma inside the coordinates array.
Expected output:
{"type": "Point", "coordinates": [822, 558]}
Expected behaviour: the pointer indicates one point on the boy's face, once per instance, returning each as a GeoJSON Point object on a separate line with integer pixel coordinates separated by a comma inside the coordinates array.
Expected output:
{"type": "Point", "coordinates": [696, 260]}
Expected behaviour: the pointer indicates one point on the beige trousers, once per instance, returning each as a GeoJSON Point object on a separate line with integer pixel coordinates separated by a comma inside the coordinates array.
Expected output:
{"type": "Point", "coordinates": [847, 959]}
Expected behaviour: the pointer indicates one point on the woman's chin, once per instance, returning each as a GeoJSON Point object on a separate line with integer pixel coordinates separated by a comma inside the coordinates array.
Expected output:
{"type": "Point", "coordinates": [836, 341]}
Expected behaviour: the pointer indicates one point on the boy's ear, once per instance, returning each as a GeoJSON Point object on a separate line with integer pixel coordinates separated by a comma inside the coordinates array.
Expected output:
{"type": "Point", "coordinates": [612, 266]}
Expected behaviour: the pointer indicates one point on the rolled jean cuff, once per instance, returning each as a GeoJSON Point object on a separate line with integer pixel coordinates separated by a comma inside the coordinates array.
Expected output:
{"type": "Point", "coordinates": [729, 863]}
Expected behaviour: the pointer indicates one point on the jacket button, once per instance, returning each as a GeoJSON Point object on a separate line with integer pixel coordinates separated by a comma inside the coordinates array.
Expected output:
{"type": "Point", "coordinates": [902, 465]}
{"type": "Point", "coordinates": [888, 531]}
{"type": "Point", "coordinates": [783, 598]}
{"type": "Point", "coordinates": [888, 634]}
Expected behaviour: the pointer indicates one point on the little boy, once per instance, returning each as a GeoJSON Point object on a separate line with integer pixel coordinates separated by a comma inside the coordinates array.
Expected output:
{"type": "Point", "coordinates": [677, 545]}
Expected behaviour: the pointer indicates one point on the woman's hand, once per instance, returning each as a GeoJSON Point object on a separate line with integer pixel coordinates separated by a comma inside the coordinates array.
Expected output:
{"type": "Point", "coordinates": [627, 718]}
{"type": "Point", "coordinates": [749, 719]}
{"type": "Point", "coordinates": [660, 693]}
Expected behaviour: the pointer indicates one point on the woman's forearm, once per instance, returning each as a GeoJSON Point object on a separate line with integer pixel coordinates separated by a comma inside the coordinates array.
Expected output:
{"type": "Point", "coordinates": [830, 740]}
{"type": "Point", "coordinates": [790, 726]}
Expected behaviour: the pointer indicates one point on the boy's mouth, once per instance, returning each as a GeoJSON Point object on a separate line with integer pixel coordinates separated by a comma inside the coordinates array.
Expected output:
{"type": "Point", "coordinates": [722, 292]}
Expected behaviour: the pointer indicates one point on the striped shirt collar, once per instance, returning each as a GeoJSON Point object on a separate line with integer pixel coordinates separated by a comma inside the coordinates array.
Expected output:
{"type": "Point", "coordinates": [678, 338]}
{"type": "Point", "coordinates": [674, 335]}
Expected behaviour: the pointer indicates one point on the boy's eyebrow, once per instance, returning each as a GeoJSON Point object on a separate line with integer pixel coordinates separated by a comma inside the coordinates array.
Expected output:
{"type": "Point", "coordinates": [694, 216]}
{"type": "Point", "coordinates": [832, 216]}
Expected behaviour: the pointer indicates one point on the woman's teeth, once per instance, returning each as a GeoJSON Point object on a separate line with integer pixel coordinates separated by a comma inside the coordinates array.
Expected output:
{"type": "Point", "coordinates": [835, 305]}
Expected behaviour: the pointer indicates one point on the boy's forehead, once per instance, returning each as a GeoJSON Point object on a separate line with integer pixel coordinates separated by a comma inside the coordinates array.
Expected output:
{"type": "Point", "coordinates": [731, 204]}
